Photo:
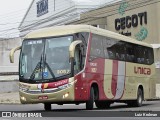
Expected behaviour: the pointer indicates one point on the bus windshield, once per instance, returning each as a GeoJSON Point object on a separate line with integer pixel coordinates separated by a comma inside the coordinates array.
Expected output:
{"type": "Point", "coordinates": [43, 59]}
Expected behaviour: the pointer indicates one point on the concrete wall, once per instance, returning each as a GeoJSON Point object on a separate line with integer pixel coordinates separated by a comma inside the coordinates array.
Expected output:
{"type": "Point", "coordinates": [7, 86]}
{"type": "Point", "coordinates": [158, 90]}
{"type": "Point", "coordinates": [106, 18]}
{"type": "Point", "coordinates": [5, 47]}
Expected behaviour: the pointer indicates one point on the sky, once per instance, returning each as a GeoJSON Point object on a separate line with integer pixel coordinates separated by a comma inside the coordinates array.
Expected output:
{"type": "Point", "coordinates": [12, 13]}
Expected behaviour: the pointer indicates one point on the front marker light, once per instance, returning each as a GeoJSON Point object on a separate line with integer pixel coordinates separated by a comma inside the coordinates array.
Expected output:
{"type": "Point", "coordinates": [66, 95]}
{"type": "Point", "coordinates": [23, 98]}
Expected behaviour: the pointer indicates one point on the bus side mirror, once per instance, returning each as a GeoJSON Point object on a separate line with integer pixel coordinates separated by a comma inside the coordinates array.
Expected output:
{"type": "Point", "coordinates": [11, 55]}
{"type": "Point", "coordinates": [72, 48]}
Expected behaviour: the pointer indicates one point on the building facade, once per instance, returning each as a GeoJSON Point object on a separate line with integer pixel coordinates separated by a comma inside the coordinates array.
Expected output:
{"type": "Point", "coordinates": [139, 19]}
{"type": "Point", "coordinates": [46, 13]}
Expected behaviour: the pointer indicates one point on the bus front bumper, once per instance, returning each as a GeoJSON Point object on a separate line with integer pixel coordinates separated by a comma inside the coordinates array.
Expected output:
{"type": "Point", "coordinates": [64, 95]}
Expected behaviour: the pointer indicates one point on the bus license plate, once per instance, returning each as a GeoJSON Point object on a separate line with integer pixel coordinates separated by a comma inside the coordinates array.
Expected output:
{"type": "Point", "coordinates": [42, 97]}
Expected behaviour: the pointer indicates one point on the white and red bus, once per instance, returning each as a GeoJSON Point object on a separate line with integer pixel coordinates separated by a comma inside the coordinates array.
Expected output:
{"type": "Point", "coordinates": [76, 64]}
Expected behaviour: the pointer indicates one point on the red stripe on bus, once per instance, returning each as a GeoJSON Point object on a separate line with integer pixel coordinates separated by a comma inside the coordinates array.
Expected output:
{"type": "Point", "coordinates": [124, 82]}
{"type": "Point", "coordinates": [114, 77]}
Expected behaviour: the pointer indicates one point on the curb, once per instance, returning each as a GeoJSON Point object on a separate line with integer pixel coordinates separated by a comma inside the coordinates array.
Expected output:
{"type": "Point", "coordinates": [15, 80]}
{"type": "Point", "coordinates": [155, 99]}
{"type": "Point", "coordinates": [8, 101]}
{"type": "Point", "coordinates": [9, 98]}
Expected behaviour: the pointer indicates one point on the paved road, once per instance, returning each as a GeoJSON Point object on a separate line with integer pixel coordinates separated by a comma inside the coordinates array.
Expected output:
{"type": "Point", "coordinates": [148, 106]}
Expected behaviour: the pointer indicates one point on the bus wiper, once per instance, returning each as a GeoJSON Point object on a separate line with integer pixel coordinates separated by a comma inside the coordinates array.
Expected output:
{"type": "Point", "coordinates": [38, 66]}
{"type": "Point", "coordinates": [50, 70]}
{"type": "Point", "coordinates": [64, 76]}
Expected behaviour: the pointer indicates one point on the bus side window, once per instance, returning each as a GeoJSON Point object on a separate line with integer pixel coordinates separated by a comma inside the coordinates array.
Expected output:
{"type": "Point", "coordinates": [109, 48]}
{"type": "Point", "coordinates": [149, 57]}
{"type": "Point", "coordinates": [139, 52]}
{"type": "Point", "coordinates": [96, 47]}
{"type": "Point", "coordinates": [121, 51]}
{"type": "Point", "coordinates": [130, 57]}
{"type": "Point", "coordinates": [111, 54]}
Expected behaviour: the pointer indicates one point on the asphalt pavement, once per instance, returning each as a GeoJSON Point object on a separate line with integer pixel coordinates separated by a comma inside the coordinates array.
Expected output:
{"type": "Point", "coordinates": [10, 102]}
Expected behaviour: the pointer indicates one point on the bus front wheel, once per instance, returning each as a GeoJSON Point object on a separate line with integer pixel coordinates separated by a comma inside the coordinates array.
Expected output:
{"type": "Point", "coordinates": [47, 106]}
{"type": "Point", "coordinates": [90, 102]}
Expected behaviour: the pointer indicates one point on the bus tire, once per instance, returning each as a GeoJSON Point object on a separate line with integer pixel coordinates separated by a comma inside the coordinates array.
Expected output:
{"type": "Point", "coordinates": [138, 101]}
{"type": "Point", "coordinates": [102, 104]}
{"type": "Point", "coordinates": [47, 106]}
{"type": "Point", "coordinates": [90, 102]}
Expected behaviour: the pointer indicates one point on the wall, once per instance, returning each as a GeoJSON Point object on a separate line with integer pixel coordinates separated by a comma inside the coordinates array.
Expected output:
{"type": "Point", "coordinates": [7, 86]}
{"type": "Point", "coordinates": [146, 29]}
{"type": "Point", "coordinates": [5, 47]}
{"type": "Point", "coordinates": [149, 21]}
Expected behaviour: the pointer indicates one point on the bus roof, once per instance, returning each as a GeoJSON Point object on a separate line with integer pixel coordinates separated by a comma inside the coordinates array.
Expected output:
{"type": "Point", "coordinates": [71, 29]}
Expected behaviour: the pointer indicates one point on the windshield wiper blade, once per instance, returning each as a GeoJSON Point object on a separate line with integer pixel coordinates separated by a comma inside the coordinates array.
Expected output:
{"type": "Point", "coordinates": [39, 65]}
{"type": "Point", "coordinates": [64, 76]}
{"type": "Point", "coordinates": [50, 70]}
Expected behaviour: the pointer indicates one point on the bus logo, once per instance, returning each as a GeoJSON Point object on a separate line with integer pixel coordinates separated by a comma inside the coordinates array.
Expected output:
{"type": "Point", "coordinates": [142, 70]}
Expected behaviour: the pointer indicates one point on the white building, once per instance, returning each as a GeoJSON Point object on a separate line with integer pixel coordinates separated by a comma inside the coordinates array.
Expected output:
{"type": "Point", "coordinates": [44, 13]}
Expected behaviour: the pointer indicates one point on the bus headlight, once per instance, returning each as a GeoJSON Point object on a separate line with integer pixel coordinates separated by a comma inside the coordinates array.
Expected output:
{"type": "Point", "coordinates": [23, 98]}
{"type": "Point", "coordinates": [24, 88]}
{"type": "Point", "coordinates": [66, 86]}
{"type": "Point", "coordinates": [65, 95]}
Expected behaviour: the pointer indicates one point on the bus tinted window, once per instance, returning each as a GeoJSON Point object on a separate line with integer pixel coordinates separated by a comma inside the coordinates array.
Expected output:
{"type": "Point", "coordinates": [129, 52]}
{"type": "Point", "coordinates": [109, 48]}
{"type": "Point", "coordinates": [120, 51]}
{"type": "Point", "coordinates": [139, 54]}
{"type": "Point", "coordinates": [114, 49]}
{"type": "Point", "coordinates": [149, 56]}
{"type": "Point", "coordinates": [130, 55]}
{"type": "Point", "coordinates": [96, 46]}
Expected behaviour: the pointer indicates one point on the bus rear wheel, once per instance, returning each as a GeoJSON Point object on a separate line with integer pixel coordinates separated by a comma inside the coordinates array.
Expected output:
{"type": "Point", "coordinates": [102, 104]}
{"type": "Point", "coordinates": [138, 101]}
{"type": "Point", "coordinates": [47, 106]}
{"type": "Point", "coordinates": [90, 102]}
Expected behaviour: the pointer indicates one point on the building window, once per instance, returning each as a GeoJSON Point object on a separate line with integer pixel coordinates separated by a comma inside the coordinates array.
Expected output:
{"type": "Point", "coordinates": [42, 7]}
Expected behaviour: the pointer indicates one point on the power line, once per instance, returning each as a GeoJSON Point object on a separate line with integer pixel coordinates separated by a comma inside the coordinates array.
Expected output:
{"type": "Point", "coordinates": [137, 3]}
{"type": "Point", "coordinates": [33, 20]}
{"type": "Point", "coordinates": [82, 13]}
{"type": "Point", "coordinates": [6, 14]}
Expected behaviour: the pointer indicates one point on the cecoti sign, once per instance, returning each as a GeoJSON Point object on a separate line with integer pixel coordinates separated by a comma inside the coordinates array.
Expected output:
{"type": "Point", "coordinates": [131, 21]}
